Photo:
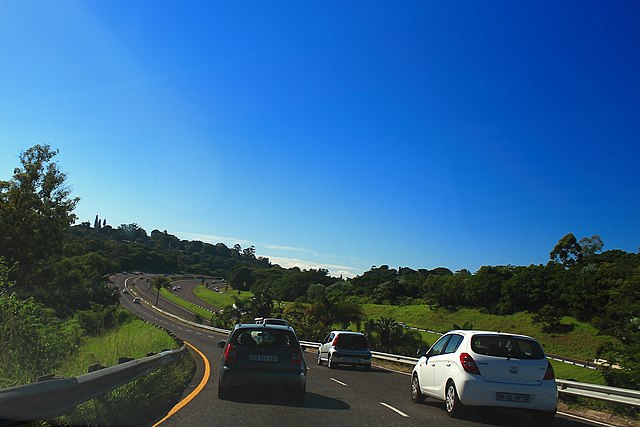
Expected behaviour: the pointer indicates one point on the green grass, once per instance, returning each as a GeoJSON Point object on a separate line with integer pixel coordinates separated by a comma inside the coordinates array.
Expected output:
{"type": "Point", "coordinates": [220, 299]}
{"type": "Point", "coordinates": [580, 343]}
{"type": "Point", "coordinates": [168, 295]}
{"type": "Point", "coordinates": [566, 371]}
{"type": "Point", "coordinates": [134, 339]}
{"type": "Point", "coordinates": [140, 401]}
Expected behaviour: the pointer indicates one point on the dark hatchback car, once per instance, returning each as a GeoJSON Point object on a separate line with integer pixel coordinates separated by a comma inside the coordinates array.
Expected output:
{"type": "Point", "coordinates": [257, 356]}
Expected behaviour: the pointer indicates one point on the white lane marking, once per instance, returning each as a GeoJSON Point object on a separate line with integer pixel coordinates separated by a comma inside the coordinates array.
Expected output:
{"type": "Point", "coordinates": [565, 414]}
{"type": "Point", "coordinates": [212, 337]}
{"type": "Point", "coordinates": [339, 382]}
{"type": "Point", "coordinates": [394, 409]}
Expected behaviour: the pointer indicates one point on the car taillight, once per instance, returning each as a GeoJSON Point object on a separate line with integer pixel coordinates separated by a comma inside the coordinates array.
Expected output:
{"type": "Point", "coordinates": [549, 374]}
{"type": "Point", "coordinates": [230, 355]}
{"type": "Point", "coordinates": [296, 358]}
{"type": "Point", "coordinates": [468, 364]}
{"type": "Point", "coordinates": [335, 341]}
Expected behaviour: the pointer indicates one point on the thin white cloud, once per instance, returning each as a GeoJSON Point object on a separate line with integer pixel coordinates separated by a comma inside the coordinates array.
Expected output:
{"type": "Point", "coordinates": [284, 248]}
{"type": "Point", "coordinates": [335, 270]}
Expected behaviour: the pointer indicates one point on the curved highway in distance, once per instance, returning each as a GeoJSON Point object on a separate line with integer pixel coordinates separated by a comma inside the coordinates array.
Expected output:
{"type": "Point", "coordinates": [335, 397]}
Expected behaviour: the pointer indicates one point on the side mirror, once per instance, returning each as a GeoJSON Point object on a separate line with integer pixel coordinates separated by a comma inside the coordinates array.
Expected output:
{"type": "Point", "coordinates": [222, 343]}
{"type": "Point", "coordinates": [422, 352]}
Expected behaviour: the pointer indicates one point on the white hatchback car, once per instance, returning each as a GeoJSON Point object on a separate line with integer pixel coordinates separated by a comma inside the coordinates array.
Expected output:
{"type": "Point", "coordinates": [481, 368]}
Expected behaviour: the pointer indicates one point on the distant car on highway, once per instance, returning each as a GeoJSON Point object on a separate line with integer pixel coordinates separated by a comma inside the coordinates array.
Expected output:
{"type": "Point", "coordinates": [491, 369]}
{"type": "Point", "coordinates": [125, 291]}
{"type": "Point", "coordinates": [345, 348]}
{"type": "Point", "coordinates": [136, 300]}
{"type": "Point", "coordinates": [262, 355]}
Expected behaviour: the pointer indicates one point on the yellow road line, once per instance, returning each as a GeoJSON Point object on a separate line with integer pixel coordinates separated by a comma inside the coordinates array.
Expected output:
{"type": "Point", "coordinates": [194, 393]}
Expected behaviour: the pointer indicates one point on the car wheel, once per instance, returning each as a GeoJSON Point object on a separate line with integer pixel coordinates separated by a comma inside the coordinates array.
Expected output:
{"type": "Point", "coordinates": [330, 364]}
{"type": "Point", "coordinates": [455, 408]}
{"type": "Point", "coordinates": [416, 394]}
{"type": "Point", "coordinates": [222, 392]}
{"type": "Point", "coordinates": [319, 359]}
{"type": "Point", "coordinates": [543, 418]}
{"type": "Point", "coordinates": [299, 394]}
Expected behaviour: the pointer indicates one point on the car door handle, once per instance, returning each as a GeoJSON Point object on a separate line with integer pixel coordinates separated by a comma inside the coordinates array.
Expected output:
{"type": "Point", "coordinates": [433, 364]}
{"type": "Point", "coordinates": [448, 364]}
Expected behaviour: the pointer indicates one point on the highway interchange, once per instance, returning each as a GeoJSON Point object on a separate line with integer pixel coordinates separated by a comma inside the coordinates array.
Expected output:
{"type": "Point", "coordinates": [336, 397]}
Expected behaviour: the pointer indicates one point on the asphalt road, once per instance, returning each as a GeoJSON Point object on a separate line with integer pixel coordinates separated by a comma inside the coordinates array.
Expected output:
{"type": "Point", "coordinates": [335, 397]}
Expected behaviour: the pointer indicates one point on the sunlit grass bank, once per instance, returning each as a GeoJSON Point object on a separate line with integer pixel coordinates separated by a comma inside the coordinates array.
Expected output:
{"type": "Point", "coordinates": [133, 339]}
{"type": "Point", "coordinates": [168, 295]}
{"type": "Point", "coordinates": [220, 299]}
{"type": "Point", "coordinates": [141, 401]}
{"type": "Point", "coordinates": [580, 342]}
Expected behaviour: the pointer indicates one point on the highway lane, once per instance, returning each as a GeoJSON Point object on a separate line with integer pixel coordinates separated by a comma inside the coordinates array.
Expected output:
{"type": "Point", "coordinates": [341, 396]}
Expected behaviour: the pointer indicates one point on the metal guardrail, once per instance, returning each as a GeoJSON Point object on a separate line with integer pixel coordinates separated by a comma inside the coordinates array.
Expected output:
{"type": "Point", "coordinates": [600, 392]}
{"type": "Point", "coordinates": [58, 396]}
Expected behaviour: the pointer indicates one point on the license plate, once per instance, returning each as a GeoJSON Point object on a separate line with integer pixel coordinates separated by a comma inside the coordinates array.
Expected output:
{"type": "Point", "coordinates": [351, 360]}
{"type": "Point", "coordinates": [263, 358]}
{"type": "Point", "coordinates": [513, 397]}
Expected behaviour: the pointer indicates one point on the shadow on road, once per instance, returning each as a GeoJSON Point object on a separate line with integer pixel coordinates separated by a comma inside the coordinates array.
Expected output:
{"type": "Point", "coordinates": [283, 398]}
{"type": "Point", "coordinates": [503, 417]}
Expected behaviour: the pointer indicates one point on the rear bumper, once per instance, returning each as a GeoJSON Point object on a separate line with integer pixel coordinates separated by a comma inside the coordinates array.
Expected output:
{"type": "Point", "coordinates": [475, 391]}
{"type": "Point", "coordinates": [344, 358]}
{"type": "Point", "coordinates": [230, 377]}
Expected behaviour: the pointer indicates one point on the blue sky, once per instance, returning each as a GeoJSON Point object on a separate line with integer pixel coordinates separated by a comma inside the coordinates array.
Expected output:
{"type": "Point", "coordinates": [418, 134]}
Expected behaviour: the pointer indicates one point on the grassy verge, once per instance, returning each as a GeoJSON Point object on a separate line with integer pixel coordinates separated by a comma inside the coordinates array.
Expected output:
{"type": "Point", "coordinates": [168, 295]}
{"type": "Point", "coordinates": [133, 339]}
{"type": "Point", "coordinates": [161, 389]}
{"type": "Point", "coordinates": [220, 299]}
{"type": "Point", "coordinates": [580, 343]}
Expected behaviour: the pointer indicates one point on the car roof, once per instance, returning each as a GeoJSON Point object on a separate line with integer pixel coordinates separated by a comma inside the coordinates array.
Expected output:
{"type": "Point", "coordinates": [262, 326]}
{"type": "Point", "coordinates": [481, 332]}
{"type": "Point", "coordinates": [347, 332]}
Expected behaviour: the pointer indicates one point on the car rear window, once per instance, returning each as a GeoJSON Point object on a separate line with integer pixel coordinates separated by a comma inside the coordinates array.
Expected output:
{"type": "Point", "coordinates": [264, 338]}
{"type": "Point", "coordinates": [506, 346]}
{"type": "Point", "coordinates": [353, 342]}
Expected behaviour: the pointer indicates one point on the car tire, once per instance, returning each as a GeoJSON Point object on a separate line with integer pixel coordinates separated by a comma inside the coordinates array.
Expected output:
{"type": "Point", "coordinates": [299, 394]}
{"type": "Point", "coordinates": [223, 393]}
{"type": "Point", "coordinates": [416, 394]}
{"type": "Point", "coordinates": [319, 359]}
{"type": "Point", "coordinates": [455, 408]}
{"type": "Point", "coordinates": [330, 364]}
{"type": "Point", "coordinates": [543, 418]}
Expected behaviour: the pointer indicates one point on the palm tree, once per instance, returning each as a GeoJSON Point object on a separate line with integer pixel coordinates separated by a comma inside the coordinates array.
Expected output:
{"type": "Point", "coordinates": [349, 312]}
{"type": "Point", "coordinates": [385, 325]}
{"type": "Point", "coordinates": [160, 282]}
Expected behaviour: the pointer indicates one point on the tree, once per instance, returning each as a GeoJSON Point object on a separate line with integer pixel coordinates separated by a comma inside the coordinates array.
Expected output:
{"type": "Point", "coordinates": [158, 283]}
{"type": "Point", "coordinates": [242, 278]}
{"type": "Point", "coordinates": [385, 325]}
{"type": "Point", "coordinates": [567, 251]}
{"type": "Point", "coordinates": [591, 245]}
{"type": "Point", "coordinates": [249, 252]}
{"type": "Point", "coordinates": [35, 212]}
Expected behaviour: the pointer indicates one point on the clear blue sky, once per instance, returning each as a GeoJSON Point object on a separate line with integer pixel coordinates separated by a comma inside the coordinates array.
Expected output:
{"type": "Point", "coordinates": [337, 134]}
